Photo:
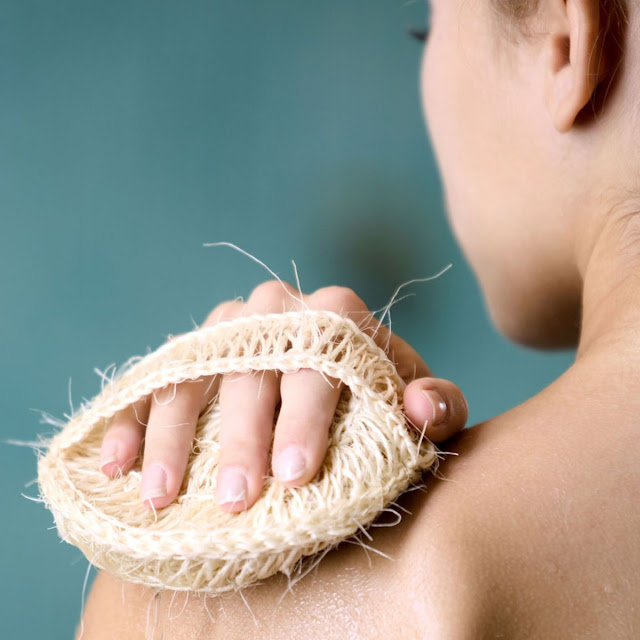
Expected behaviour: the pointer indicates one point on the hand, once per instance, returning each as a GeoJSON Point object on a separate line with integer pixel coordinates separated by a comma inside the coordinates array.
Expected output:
{"type": "Point", "coordinates": [167, 418]}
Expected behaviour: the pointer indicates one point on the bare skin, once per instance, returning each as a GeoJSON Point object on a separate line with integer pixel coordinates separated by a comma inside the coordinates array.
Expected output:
{"type": "Point", "coordinates": [534, 530]}
{"type": "Point", "coordinates": [160, 427]}
{"type": "Point", "coordinates": [532, 533]}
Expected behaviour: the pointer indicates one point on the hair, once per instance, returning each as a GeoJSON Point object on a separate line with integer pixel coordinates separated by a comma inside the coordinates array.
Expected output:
{"type": "Point", "coordinates": [519, 12]}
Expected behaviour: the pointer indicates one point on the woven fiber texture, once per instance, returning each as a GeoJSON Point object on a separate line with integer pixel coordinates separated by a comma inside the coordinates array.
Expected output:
{"type": "Point", "coordinates": [373, 456]}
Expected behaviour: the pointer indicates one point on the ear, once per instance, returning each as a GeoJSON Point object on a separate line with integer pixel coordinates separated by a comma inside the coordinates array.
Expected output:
{"type": "Point", "coordinates": [574, 62]}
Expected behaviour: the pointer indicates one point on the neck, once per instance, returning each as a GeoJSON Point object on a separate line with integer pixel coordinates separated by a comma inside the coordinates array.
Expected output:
{"type": "Point", "coordinates": [611, 289]}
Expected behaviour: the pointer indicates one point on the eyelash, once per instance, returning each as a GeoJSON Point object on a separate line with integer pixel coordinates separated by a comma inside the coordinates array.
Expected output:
{"type": "Point", "coordinates": [419, 34]}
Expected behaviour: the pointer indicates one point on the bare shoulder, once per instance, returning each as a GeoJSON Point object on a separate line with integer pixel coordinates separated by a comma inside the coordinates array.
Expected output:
{"type": "Point", "coordinates": [529, 529]}
{"type": "Point", "coordinates": [409, 582]}
{"type": "Point", "coordinates": [414, 580]}
{"type": "Point", "coordinates": [549, 492]}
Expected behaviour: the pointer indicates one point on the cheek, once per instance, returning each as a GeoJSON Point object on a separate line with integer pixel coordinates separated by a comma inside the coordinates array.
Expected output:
{"type": "Point", "coordinates": [469, 141]}
{"type": "Point", "coordinates": [492, 145]}
{"type": "Point", "coordinates": [453, 116]}
{"type": "Point", "coordinates": [470, 118]}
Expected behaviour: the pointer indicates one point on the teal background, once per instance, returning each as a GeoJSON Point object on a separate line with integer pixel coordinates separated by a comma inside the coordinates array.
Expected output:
{"type": "Point", "coordinates": [133, 132]}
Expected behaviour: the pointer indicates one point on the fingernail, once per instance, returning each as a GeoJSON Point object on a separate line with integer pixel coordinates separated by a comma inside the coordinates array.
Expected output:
{"type": "Point", "coordinates": [109, 452]}
{"type": "Point", "coordinates": [290, 464]}
{"type": "Point", "coordinates": [438, 406]}
{"type": "Point", "coordinates": [154, 482]}
{"type": "Point", "coordinates": [231, 486]}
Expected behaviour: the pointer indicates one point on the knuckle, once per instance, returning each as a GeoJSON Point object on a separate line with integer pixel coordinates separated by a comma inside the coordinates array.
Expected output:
{"type": "Point", "coordinates": [121, 421]}
{"type": "Point", "coordinates": [222, 311]}
{"type": "Point", "coordinates": [241, 451]}
{"type": "Point", "coordinates": [117, 430]}
{"type": "Point", "coordinates": [336, 296]}
{"type": "Point", "coordinates": [164, 395]}
{"type": "Point", "coordinates": [167, 444]}
{"type": "Point", "coordinates": [267, 292]}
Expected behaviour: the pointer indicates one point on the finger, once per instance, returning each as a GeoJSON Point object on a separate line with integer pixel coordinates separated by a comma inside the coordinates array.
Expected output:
{"type": "Point", "coordinates": [346, 302]}
{"type": "Point", "coordinates": [301, 438]}
{"type": "Point", "coordinates": [247, 406]}
{"type": "Point", "coordinates": [439, 404]}
{"type": "Point", "coordinates": [121, 442]}
{"type": "Point", "coordinates": [211, 389]}
{"type": "Point", "coordinates": [408, 362]}
{"type": "Point", "coordinates": [227, 310]}
{"type": "Point", "coordinates": [173, 416]}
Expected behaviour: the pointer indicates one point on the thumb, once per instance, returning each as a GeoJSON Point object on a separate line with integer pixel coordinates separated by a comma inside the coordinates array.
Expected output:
{"type": "Point", "coordinates": [438, 402]}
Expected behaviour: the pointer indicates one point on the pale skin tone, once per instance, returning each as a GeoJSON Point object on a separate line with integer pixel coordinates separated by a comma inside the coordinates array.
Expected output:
{"type": "Point", "coordinates": [533, 530]}
{"type": "Point", "coordinates": [167, 418]}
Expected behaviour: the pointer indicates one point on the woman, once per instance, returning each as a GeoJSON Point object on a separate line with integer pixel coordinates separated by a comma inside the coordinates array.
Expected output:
{"type": "Point", "coordinates": [533, 109]}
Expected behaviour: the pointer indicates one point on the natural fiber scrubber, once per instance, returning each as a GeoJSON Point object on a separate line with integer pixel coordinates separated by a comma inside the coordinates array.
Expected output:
{"type": "Point", "coordinates": [373, 456]}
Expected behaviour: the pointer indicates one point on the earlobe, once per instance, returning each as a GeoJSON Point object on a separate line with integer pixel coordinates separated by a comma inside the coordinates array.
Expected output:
{"type": "Point", "coordinates": [574, 62]}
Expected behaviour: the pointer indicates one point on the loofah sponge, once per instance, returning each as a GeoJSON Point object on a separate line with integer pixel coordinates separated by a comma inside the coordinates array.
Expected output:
{"type": "Point", "coordinates": [373, 456]}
